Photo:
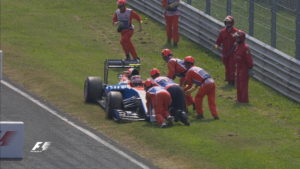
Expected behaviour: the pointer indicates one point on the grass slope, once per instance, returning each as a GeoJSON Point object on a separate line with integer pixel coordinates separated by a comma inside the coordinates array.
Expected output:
{"type": "Point", "coordinates": [51, 46]}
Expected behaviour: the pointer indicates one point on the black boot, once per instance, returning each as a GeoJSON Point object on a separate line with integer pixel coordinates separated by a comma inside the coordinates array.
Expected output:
{"type": "Point", "coordinates": [175, 44]}
{"type": "Point", "coordinates": [194, 106]}
{"type": "Point", "coordinates": [138, 60]}
{"type": "Point", "coordinates": [200, 117]}
{"type": "Point", "coordinates": [216, 117]}
{"type": "Point", "coordinates": [169, 120]}
{"type": "Point", "coordinates": [231, 83]}
{"type": "Point", "coordinates": [183, 117]}
{"type": "Point", "coordinates": [168, 41]}
{"type": "Point", "coordinates": [127, 57]}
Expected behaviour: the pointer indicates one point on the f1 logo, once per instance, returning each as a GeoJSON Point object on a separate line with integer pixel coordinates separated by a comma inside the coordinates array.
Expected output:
{"type": "Point", "coordinates": [4, 140]}
{"type": "Point", "coordinates": [40, 147]}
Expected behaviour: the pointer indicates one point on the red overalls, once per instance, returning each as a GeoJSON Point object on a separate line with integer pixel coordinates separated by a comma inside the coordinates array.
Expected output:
{"type": "Point", "coordinates": [126, 19]}
{"type": "Point", "coordinates": [160, 99]}
{"type": "Point", "coordinates": [176, 68]}
{"type": "Point", "coordinates": [171, 17]}
{"type": "Point", "coordinates": [201, 78]}
{"type": "Point", "coordinates": [244, 62]}
{"type": "Point", "coordinates": [227, 40]}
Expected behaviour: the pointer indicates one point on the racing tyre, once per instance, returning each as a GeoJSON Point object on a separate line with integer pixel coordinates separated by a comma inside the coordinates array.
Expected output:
{"type": "Point", "coordinates": [93, 89]}
{"type": "Point", "coordinates": [114, 101]}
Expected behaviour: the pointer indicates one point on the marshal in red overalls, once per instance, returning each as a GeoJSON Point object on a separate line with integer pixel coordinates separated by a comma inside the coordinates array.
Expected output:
{"type": "Point", "coordinates": [171, 17]}
{"type": "Point", "coordinates": [159, 99]}
{"type": "Point", "coordinates": [244, 61]}
{"type": "Point", "coordinates": [201, 78]}
{"type": "Point", "coordinates": [123, 16]}
{"type": "Point", "coordinates": [226, 41]}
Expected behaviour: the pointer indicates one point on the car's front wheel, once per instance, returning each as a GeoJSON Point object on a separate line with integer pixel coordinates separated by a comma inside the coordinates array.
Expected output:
{"type": "Point", "coordinates": [114, 101]}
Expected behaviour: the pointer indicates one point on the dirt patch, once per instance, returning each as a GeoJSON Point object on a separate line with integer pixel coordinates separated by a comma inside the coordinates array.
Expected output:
{"type": "Point", "coordinates": [106, 37]}
{"type": "Point", "coordinates": [232, 134]}
{"type": "Point", "coordinates": [77, 18]}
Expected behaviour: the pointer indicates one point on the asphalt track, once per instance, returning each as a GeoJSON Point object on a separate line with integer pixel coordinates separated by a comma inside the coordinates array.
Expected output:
{"type": "Point", "coordinates": [72, 144]}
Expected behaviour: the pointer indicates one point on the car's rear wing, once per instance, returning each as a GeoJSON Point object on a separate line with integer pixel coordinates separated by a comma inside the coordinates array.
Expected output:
{"type": "Point", "coordinates": [118, 63]}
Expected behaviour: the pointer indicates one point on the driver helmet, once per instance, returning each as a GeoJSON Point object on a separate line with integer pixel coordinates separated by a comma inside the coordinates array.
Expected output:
{"type": "Point", "coordinates": [136, 80]}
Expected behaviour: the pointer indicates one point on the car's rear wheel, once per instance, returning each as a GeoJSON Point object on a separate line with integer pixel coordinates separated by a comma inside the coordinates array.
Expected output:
{"type": "Point", "coordinates": [113, 101]}
{"type": "Point", "coordinates": [93, 89]}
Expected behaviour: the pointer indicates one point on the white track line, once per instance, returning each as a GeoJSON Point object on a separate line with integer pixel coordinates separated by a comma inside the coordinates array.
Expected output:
{"type": "Point", "coordinates": [90, 134]}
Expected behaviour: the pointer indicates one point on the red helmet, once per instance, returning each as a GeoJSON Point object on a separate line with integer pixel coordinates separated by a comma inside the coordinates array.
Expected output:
{"type": "Point", "coordinates": [166, 54]}
{"type": "Point", "coordinates": [121, 2]}
{"type": "Point", "coordinates": [189, 59]}
{"type": "Point", "coordinates": [154, 71]}
{"type": "Point", "coordinates": [241, 35]}
{"type": "Point", "coordinates": [148, 83]}
{"type": "Point", "coordinates": [229, 19]}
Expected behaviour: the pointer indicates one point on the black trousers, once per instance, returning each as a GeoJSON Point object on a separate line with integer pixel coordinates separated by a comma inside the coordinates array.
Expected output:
{"type": "Point", "coordinates": [177, 95]}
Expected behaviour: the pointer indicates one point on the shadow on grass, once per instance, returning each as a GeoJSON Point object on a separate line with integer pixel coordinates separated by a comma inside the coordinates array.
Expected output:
{"type": "Point", "coordinates": [228, 87]}
{"type": "Point", "coordinates": [154, 125]}
{"type": "Point", "coordinates": [242, 105]}
{"type": "Point", "coordinates": [149, 124]}
{"type": "Point", "coordinates": [231, 98]}
{"type": "Point", "coordinates": [208, 120]}
{"type": "Point", "coordinates": [168, 45]}
{"type": "Point", "coordinates": [89, 103]}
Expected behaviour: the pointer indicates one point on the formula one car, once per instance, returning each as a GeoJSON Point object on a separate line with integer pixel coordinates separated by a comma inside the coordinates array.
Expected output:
{"type": "Point", "coordinates": [124, 101]}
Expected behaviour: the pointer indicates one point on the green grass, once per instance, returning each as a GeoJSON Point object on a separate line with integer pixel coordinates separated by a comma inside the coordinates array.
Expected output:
{"type": "Point", "coordinates": [50, 47]}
